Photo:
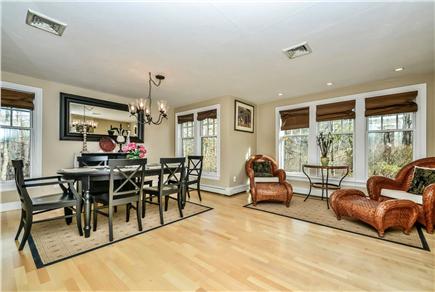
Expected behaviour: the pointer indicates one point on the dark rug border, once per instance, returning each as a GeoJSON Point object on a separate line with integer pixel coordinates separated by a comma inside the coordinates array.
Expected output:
{"type": "Point", "coordinates": [38, 261]}
{"type": "Point", "coordinates": [423, 241]}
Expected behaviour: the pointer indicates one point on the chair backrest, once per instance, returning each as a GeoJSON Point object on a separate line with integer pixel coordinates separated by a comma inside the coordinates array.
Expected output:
{"type": "Point", "coordinates": [126, 177]}
{"type": "Point", "coordinates": [174, 168]}
{"type": "Point", "coordinates": [194, 167]}
{"type": "Point", "coordinates": [26, 202]}
{"type": "Point", "coordinates": [406, 174]}
{"type": "Point", "coordinates": [260, 158]}
{"type": "Point", "coordinates": [89, 160]}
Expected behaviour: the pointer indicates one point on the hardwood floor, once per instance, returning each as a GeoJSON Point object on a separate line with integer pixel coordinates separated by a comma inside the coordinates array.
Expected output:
{"type": "Point", "coordinates": [228, 248]}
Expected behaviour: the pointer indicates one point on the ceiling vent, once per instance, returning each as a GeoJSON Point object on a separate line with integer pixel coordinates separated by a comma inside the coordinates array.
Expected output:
{"type": "Point", "coordinates": [297, 50]}
{"type": "Point", "coordinates": [46, 23]}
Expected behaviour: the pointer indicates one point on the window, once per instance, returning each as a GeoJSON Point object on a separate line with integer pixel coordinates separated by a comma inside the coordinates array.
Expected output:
{"type": "Point", "coordinates": [294, 149]}
{"type": "Point", "coordinates": [15, 140]}
{"type": "Point", "coordinates": [198, 134]}
{"type": "Point", "coordinates": [390, 143]}
{"type": "Point", "coordinates": [342, 146]}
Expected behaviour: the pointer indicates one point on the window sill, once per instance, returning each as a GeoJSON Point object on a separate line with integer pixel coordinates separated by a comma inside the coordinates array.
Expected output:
{"type": "Point", "coordinates": [8, 186]}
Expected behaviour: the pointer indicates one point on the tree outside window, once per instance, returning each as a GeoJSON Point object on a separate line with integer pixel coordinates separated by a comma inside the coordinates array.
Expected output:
{"type": "Point", "coordinates": [209, 145]}
{"type": "Point", "coordinates": [294, 146]}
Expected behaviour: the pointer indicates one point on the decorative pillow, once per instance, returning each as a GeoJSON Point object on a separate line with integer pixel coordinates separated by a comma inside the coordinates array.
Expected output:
{"type": "Point", "coordinates": [422, 178]}
{"type": "Point", "coordinates": [262, 169]}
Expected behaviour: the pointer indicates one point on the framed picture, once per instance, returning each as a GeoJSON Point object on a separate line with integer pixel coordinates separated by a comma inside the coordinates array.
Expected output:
{"type": "Point", "coordinates": [243, 117]}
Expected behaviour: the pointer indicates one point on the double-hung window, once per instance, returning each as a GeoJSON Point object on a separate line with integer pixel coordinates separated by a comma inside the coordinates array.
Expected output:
{"type": "Point", "coordinates": [198, 134]}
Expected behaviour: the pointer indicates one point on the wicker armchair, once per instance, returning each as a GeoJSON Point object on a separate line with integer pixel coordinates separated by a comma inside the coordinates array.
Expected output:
{"type": "Point", "coordinates": [278, 190]}
{"type": "Point", "coordinates": [402, 181]}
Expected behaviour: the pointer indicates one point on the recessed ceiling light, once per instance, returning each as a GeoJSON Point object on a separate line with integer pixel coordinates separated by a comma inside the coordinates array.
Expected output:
{"type": "Point", "coordinates": [329, 84]}
{"type": "Point", "coordinates": [44, 22]}
{"type": "Point", "coordinates": [280, 94]}
{"type": "Point", "coordinates": [399, 69]}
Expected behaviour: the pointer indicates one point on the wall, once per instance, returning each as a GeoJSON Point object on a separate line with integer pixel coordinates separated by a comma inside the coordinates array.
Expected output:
{"type": "Point", "coordinates": [235, 146]}
{"type": "Point", "coordinates": [56, 154]}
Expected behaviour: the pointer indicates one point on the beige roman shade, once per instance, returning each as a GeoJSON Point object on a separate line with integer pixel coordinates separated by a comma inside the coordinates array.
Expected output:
{"type": "Point", "coordinates": [185, 118]}
{"type": "Point", "coordinates": [210, 114]}
{"type": "Point", "coordinates": [391, 104]}
{"type": "Point", "coordinates": [295, 118]}
{"type": "Point", "coordinates": [336, 111]}
{"type": "Point", "coordinates": [18, 99]}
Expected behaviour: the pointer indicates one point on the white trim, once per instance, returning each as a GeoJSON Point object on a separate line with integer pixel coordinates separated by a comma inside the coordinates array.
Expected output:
{"type": "Point", "coordinates": [4, 207]}
{"type": "Point", "coordinates": [360, 140]}
{"type": "Point", "coordinates": [228, 191]}
{"type": "Point", "coordinates": [36, 139]}
{"type": "Point", "coordinates": [178, 150]}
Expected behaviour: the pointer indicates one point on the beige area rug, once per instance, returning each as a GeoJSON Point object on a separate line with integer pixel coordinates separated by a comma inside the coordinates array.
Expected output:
{"type": "Point", "coordinates": [315, 211]}
{"type": "Point", "coordinates": [54, 241]}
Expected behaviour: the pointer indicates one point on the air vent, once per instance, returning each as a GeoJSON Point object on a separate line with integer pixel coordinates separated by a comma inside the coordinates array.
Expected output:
{"type": "Point", "coordinates": [46, 23]}
{"type": "Point", "coordinates": [297, 51]}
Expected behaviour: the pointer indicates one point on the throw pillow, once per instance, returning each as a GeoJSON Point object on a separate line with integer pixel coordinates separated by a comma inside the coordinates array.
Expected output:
{"type": "Point", "coordinates": [422, 178]}
{"type": "Point", "coordinates": [262, 169]}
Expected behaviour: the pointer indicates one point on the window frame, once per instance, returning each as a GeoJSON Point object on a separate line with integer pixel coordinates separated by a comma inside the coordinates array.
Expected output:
{"type": "Point", "coordinates": [36, 133]}
{"type": "Point", "coordinates": [197, 137]}
{"type": "Point", "coordinates": [360, 143]}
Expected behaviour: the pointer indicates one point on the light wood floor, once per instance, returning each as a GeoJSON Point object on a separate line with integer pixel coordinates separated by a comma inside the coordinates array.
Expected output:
{"type": "Point", "coordinates": [228, 248]}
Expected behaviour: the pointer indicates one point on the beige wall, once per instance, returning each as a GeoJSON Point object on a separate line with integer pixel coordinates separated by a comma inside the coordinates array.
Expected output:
{"type": "Point", "coordinates": [235, 146]}
{"type": "Point", "coordinates": [266, 112]}
{"type": "Point", "coordinates": [56, 154]}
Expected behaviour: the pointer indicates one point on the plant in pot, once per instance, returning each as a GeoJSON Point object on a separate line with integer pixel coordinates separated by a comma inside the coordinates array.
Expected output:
{"type": "Point", "coordinates": [325, 143]}
{"type": "Point", "coordinates": [134, 151]}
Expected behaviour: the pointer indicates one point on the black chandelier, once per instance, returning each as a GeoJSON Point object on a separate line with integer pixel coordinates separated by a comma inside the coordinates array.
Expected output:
{"type": "Point", "coordinates": [142, 107]}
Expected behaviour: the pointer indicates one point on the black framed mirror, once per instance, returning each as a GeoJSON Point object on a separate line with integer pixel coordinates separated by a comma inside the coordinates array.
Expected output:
{"type": "Point", "coordinates": [102, 117]}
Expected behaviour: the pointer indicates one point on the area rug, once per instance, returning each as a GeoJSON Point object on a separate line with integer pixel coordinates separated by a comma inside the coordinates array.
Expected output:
{"type": "Point", "coordinates": [315, 211]}
{"type": "Point", "coordinates": [54, 241]}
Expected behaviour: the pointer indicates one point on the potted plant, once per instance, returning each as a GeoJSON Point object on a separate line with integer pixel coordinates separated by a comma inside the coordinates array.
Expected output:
{"type": "Point", "coordinates": [134, 151]}
{"type": "Point", "coordinates": [325, 144]}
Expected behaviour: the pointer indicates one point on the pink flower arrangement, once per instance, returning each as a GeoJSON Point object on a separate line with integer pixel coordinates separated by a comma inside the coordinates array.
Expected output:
{"type": "Point", "coordinates": [134, 151]}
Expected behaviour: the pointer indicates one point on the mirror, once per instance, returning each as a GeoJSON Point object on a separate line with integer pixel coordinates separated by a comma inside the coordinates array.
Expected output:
{"type": "Point", "coordinates": [101, 118]}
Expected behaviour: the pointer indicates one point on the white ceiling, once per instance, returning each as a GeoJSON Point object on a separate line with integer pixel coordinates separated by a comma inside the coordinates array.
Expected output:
{"type": "Point", "coordinates": [215, 49]}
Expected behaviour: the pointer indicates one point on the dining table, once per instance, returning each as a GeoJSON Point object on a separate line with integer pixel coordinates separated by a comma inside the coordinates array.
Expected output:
{"type": "Point", "coordinates": [84, 175]}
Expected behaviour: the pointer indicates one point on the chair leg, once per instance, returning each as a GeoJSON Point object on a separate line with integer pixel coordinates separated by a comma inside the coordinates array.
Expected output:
{"type": "Point", "coordinates": [67, 212]}
{"type": "Point", "coordinates": [199, 192]}
{"type": "Point", "coordinates": [143, 205]}
{"type": "Point", "coordinates": [139, 215]}
{"type": "Point", "coordinates": [127, 212]}
{"type": "Point", "coordinates": [111, 223]}
{"type": "Point", "coordinates": [115, 208]}
{"type": "Point", "coordinates": [21, 224]}
{"type": "Point", "coordinates": [95, 216]}
{"type": "Point", "coordinates": [27, 228]}
{"type": "Point", "coordinates": [180, 204]}
{"type": "Point", "coordinates": [79, 217]}
{"type": "Point", "coordinates": [159, 200]}
{"type": "Point", "coordinates": [188, 191]}
{"type": "Point", "coordinates": [166, 203]}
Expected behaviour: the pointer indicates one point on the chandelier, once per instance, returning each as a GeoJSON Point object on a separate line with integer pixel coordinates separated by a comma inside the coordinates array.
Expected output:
{"type": "Point", "coordinates": [142, 107]}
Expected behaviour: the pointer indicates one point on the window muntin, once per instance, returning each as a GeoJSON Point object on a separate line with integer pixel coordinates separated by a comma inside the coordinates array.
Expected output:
{"type": "Point", "coordinates": [294, 147]}
{"type": "Point", "coordinates": [15, 140]}
{"type": "Point", "coordinates": [209, 145]}
{"type": "Point", "coordinates": [390, 143]}
{"type": "Point", "coordinates": [342, 146]}
{"type": "Point", "coordinates": [187, 138]}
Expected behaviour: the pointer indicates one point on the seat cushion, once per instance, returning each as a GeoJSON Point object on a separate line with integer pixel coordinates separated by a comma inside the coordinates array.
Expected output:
{"type": "Point", "coordinates": [262, 168]}
{"type": "Point", "coordinates": [402, 195]}
{"type": "Point", "coordinates": [271, 179]}
{"type": "Point", "coordinates": [168, 188]}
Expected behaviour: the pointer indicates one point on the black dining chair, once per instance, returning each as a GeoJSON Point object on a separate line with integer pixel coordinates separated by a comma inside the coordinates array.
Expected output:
{"type": "Point", "coordinates": [92, 160]}
{"type": "Point", "coordinates": [193, 176]}
{"type": "Point", "coordinates": [30, 206]}
{"type": "Point", "coordinates": [126, 183]}
{"type": "Point", "coordinates": [172, 184]}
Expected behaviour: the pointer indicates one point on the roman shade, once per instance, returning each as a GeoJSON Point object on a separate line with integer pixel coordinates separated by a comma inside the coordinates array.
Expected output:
{"type": "Point", "coordinates": [391, 104]}
{"type": "Point", "coordinates": [210, 114]}
{"type": "Point", "coordinates": [336, 111]}
{"type": "Point", "coordinates": [295, 118]}
{"type": "Point", "coordinates": [185, 118]}
{"type": "Point", "coordinates": [18, 99]}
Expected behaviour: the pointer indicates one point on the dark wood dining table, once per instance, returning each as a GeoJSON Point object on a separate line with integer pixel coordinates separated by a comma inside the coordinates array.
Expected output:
{"type": "Point", "coordinates": [87, 174]}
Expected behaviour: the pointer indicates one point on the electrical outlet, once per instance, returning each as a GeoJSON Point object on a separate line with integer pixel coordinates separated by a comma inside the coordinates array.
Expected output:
{"type": "Point", "coordinates": [234, 178]}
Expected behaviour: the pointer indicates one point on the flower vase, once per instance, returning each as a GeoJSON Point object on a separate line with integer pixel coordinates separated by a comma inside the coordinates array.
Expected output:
{"type": "Point", "coordinates": [324, 160]}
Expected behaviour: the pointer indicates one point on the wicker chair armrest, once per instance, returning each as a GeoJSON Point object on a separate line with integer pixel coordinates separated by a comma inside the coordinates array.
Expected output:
{"type": "Point", "coordinates": [429, 201]}
{"type": "Point", "coordinates": [388, 205]}
{"type": "Point", "coordinates": [376, 183]}
{"type": "Point", "coordinates": [280, 173]}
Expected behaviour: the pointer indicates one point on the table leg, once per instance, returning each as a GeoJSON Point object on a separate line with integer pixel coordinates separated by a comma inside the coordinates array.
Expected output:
{"type": "Point", "coordinates": [87, 205]}
{"type": "Point", "coordinates": [327, 189]}
{"type": "Point", "coordinates": [310, 182]}
{"type": "Point", "coordinates": [323, 182]}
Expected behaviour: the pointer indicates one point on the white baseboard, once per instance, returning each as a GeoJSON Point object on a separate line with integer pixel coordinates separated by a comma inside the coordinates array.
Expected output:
{"type": "Point", "coordinates": [227, 191]}
{"type": "Point", "coordinates": [4, 207]}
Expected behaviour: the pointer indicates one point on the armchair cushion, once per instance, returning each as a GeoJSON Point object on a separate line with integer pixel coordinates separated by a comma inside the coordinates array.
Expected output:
{"type": "Point", "coordinates": [422, 178]}
{"type": "Point", "coordinates": [262, 168]}
{"type": "Point", "coordinates": [402, 195]}
{"type": "Point", "coordinates": [271, 179]}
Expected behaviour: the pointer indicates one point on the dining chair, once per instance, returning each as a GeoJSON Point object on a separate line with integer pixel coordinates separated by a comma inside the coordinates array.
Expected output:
{"type": "Point", "coordinates": [126, 183]}
{"type": "Point", "coordinates": [30, 206]}
{"type": "Point", "coordinates": [89, 160]}
{"type": "Point", "coordinates": [172, 184]}
{"type": "Point", "coordinates": [194, 171]}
